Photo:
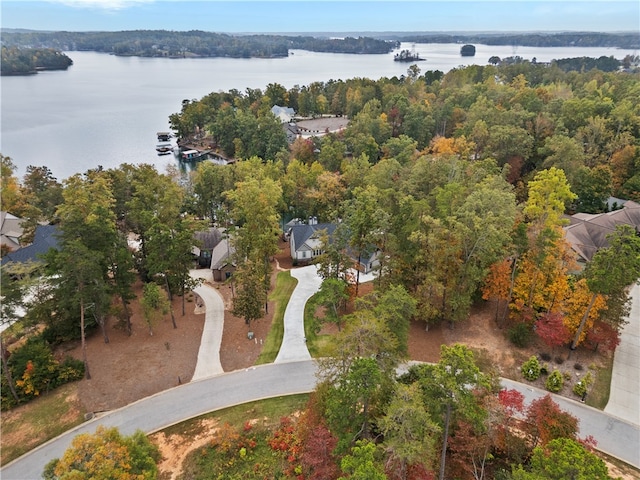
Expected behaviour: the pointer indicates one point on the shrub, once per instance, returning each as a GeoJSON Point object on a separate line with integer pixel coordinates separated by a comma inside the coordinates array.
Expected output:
{"type": "Point", "coordinates": [555, 382]}
{"type": "Point", "coordinates": [545, 356]}
{"type": "Point", "coordinates": [35, 371]}
{"type": "Point", "coordinates": [531, 369]}
{"type": "Point", "coordinates": [33, 368]}
{"type": "Point", "coordinates": [520, 335]}
{"type": "Point", "coordinates": [580, 388]}
{"type": "Point", "coordinates": [69, 370]}
{"type": "Point", "coordinates": [578, 366]}
{"type": "Point", "coordinates": [544, 369]}
{"type": "Point", "coordinates": [559, 360]}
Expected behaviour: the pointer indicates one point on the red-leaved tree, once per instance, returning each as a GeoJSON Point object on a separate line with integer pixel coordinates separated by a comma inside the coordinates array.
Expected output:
{"type": "Point", "coordinates": [551, 329]}
{"type": "Point", "coordinates": [604, 336]}
{"type": "Point", "coordinates": [545, 421]}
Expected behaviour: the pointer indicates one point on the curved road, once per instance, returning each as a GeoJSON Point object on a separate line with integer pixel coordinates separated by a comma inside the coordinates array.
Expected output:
{"type": "Point", "coordinates": [616, 437]}
{"type": "Point", "coordinates": [294, 372]}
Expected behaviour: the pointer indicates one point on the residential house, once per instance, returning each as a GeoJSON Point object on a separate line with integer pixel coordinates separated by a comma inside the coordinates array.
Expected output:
{"type": "Point", "coordinates": [206, 242]}
{"type": "Point", "coordinates": [284, 114]}
{"type": "Point", "coordinates": [588, 232]}
{"type": "Point", "coordinates": [305, 241]}
{"type": "Point", "coordinates": [45, 238]}
{"type": "Point", "coordinates": [222, 264]}
{"type": "Point", "coordinates": [11, 230]}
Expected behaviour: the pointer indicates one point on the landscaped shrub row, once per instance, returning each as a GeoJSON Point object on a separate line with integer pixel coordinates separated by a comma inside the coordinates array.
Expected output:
{"type": "Point", "coordinates": [35, 371]}
{"type": "Point", "coordinates": [532, 370]}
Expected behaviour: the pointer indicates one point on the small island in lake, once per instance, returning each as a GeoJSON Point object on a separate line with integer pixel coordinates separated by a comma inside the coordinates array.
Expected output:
{"type": "Point", "coordinates": [407, 56]}
{"type": "Point", "coordinates": [468, 50]}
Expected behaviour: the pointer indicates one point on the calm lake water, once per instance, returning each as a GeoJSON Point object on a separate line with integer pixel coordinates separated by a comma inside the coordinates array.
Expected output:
{"type": "Point", "coordinates": [105, 110]}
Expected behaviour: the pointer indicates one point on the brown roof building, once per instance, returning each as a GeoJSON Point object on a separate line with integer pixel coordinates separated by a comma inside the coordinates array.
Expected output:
{"type": "Point", "coordinates": [588, 232]}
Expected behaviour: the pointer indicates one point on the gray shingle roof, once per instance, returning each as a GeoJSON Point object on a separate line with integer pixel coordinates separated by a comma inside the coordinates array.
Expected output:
{"type": "Point", "coordinates": [45, 237]}
{"type": "Point", "coordinates": [588, 232]}
{"type": "Point", "coordinates": [301, 233]}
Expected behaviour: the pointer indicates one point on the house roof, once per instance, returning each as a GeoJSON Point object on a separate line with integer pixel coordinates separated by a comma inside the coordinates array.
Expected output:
{"type": "Point", "coordinates": [45, 237]}
{"type": "Point", "coordinates": [588, 232]}
{"type": "Point", "coordinates": [285, 114]}
{"type": "Point", "coordinates": [221, 254]}
{"type": "Point", "coordinates": [208, 239]}
{"type": "Point", "coordinates": [10, 230]}
{"type": "Point", "coordinates": [301, 233]}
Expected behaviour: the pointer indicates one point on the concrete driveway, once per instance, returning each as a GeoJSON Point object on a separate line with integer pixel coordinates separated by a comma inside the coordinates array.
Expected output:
{"type": "Point", "coordinates": [208, 362]}
{"type": "Point", "coordinates": [624, 398]}
{"type": "Point", "coordinates": [294, 346]}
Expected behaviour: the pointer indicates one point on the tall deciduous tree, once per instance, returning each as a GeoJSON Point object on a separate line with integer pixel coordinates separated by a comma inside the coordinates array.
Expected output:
{"type": "Point", "coordinates": [10, 195]}
{"type": "Point", "coordinates": [549, 194]}
{"type": "Point", "coordinates": [449, 387]}
{"type": "Point", "coordinates": [154, 200]}
{"type": "Point", "coordinates": [332, 297]}
{"type": "Point", "coordinates": [353, 402]}
{"type": "Point", "coordinates": [364, 221]}
{"type": "Point", "coordinates": [255, 205]}
{"type": "Point", "coordinates": [250, 296]}
{"type": "Point", "coordinates": [409, 433]}
{"type": "Point", "coordinates": [154, 301]}
{"type": "Point", "coordinates": [545, 421]}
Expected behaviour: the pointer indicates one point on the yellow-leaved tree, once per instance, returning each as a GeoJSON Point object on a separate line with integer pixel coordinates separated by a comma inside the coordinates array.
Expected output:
{"type": "Point", "coordinates": [106, 454]}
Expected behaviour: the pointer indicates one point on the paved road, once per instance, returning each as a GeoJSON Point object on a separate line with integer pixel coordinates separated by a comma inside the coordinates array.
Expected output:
{"type": "Point", "coordinates": [175, 405]}
{"type": "Point", "coordinates": [615, 437]}
{"type": "Point", "coordinates": [624, 399]}
{"type": "Point", "coordinates": [294, 346]}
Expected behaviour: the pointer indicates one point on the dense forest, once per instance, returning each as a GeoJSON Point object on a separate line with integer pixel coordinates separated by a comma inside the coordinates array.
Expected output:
{"type": "Point", "coordinates": [568, 39]}
{"type": "Point", "coordinates": [155, 43]}
{"type": "Point", "coordinates": [460, 181]}
{"type": "Point", "coordinates": [22, 61]}
{"type": "Point", "coordinates": [163, 43]}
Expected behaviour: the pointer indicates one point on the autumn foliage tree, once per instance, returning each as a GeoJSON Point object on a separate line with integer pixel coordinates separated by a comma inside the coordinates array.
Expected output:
{"type": "Point", "coordinates": [545, 421]}
{"type": "Point", "coordinates": [551, 329]}
{"type": "Point", "coordinates": [106, 454]}
{"type": "Point", "coordinates": [497, 283]}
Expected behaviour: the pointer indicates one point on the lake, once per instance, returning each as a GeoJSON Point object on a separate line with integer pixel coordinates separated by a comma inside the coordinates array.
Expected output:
{"type": "Point", "coordinates": [105, 110]}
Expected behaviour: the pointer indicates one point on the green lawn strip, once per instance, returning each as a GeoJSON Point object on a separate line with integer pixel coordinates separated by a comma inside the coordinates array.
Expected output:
{"type": "Point", "coordinates": [598, 394]}
{"type": "Point", "coordinates": [40, 420]}
{"type": "Point", "coordinates": [318, 345]}
{"type": "Point", "coordinates": [257, 460]}
{"type": "Point", "coordinates": [285, 284]}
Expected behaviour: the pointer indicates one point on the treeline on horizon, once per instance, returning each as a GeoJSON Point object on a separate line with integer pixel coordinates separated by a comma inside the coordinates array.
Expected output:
{"type": "Point", "coordinates": [210, 44]}
{"type": "Point", "coordinates": [567, 39]}
{"type": "Point", "coordinates": [163, 43]}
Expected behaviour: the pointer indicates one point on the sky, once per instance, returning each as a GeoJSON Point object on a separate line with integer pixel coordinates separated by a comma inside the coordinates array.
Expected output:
{"type": "Point", "coordinates": [297, 16]}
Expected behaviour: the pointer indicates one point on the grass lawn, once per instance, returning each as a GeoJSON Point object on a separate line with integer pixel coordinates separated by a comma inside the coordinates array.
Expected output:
{"type": "Point", "coordinates": [318, 345]}
{"type": "Point", "coordinates": [285, 285]}
{"type": "Point", "coordinates": [30, 425]}
{"type": "Point", "coordinates": [598, 396]}
{"type": "Point", "coordinates": [238, 450]}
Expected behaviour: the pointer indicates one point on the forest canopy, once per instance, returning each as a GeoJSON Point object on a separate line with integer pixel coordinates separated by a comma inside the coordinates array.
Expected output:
{"type": "Point", "coordinates": [195, 43]}
{"type": "Point", "coordinates": [21, 61]}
